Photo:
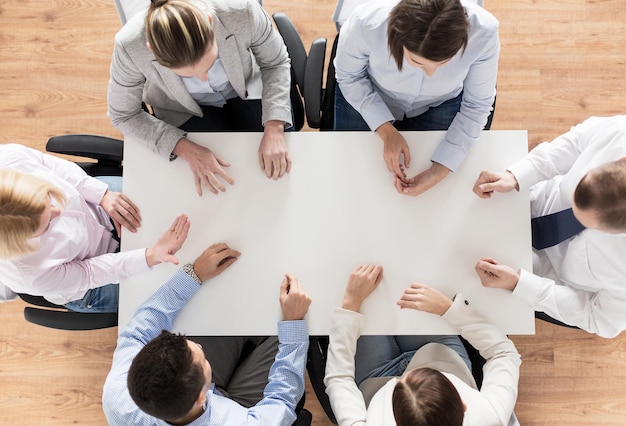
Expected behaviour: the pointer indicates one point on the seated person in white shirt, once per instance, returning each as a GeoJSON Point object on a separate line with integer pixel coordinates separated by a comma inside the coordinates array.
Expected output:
{"type": "Point", "coordinates": [432, 385]}
{"type": "Point", "coordinates": [59, 233]}
{"type": "Point", "coordinates": [158, 376]}
{"type": "Point", "coordinates": [580, 281]}
{"type": "Point", "coordinates": [205, 66]}
{"type": "Point", "coordinates": [417, 65]}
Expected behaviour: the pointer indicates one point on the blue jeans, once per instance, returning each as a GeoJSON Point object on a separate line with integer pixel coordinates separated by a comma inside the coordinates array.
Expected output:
{"type": "Point", "coordinates": [435, 118]}
{"type": "Point", "coordinates": [379, 356]}
{"type": "Point", "coordinates": [105, 298]}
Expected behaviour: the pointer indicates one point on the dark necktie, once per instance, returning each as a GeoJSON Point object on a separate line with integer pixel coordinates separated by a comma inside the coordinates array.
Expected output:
{"type": "Point", "coordinates": [554, 228]}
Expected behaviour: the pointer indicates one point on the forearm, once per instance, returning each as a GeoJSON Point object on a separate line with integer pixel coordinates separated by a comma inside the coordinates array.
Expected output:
{"type": "Point", "coordinates": [285, 385]}
{"type": "Point", "coordinates": [70, 280]}
{"type": "Point", "coordinates": [345, 398]}
{"type": "Point", "coordinates": [160, 310]}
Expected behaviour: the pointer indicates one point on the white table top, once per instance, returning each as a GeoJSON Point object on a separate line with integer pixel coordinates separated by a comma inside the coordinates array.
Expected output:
{"type": "Point", "coordinates": [336, 209]}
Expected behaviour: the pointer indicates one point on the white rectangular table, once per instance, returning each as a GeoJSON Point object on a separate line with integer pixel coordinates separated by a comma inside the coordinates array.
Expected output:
{"type": "Point", "coordinates": [336, 209]}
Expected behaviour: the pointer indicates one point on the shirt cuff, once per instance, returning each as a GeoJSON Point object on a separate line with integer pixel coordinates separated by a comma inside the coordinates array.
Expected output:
{"type": "Point", "coordinates": [528, 287]}
{"type": "Point", "coordinates": [449, 155]}
{"type": "Point", "coordinates": [524, 173]}
{"type": "Point", "coordinates": [93, 190]}
{"type": "Point", "coordinates": [293, 331]}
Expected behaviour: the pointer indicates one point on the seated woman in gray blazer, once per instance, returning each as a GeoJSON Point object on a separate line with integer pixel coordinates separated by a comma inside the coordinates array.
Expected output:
{"type": "Point", "coordinates": [202, 66]}
{"type": "Point", "coordinates": [417, 380]}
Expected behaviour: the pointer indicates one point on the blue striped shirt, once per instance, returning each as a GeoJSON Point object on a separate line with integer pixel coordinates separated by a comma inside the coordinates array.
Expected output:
{"type": "Point", "coordinates": [286, 378]}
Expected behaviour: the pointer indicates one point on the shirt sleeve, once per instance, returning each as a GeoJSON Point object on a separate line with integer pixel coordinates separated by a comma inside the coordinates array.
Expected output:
{"type": "Point", "coordinates": [285, 385]}
{"type": "Point", "coordinates": [62, 283]}
{"type": "Point", "coordinates": [271, 55]}
{"type": "Point", "coordinates": [345, 397]}
{"type": "Point", "coordinates": [598, 312]}
{"type": "Point", "coordinates": [156, 314]}
{"type": "Point", "coordinates": [548, 160]}
{"type": "Point", "coordinates": [351, 70]}
{"type": "Point", "coordinates": [124, 99]}
{"type": "Point", "coordinates": [501, 371]}
{"type": "Point", "coordinates": [479, 91]}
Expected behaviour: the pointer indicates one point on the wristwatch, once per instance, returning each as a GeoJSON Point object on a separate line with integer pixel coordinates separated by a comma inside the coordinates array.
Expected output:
{"type": "Point", "coordinates": [188, 268]}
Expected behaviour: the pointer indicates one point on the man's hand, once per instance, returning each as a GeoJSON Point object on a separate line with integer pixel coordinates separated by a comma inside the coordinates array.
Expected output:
{"type": "Point", "coordinates": [488, 182]}
{"type": "Point", "coordinates": [273, 156]}
{"type": "Point", "coordinates": [294, 302]}
{"type": "Point", "coordinates": [424, 298]}
{"type": "Point", "coordinates": [205, 166]}
{"type": "Point", "coordinates": [122, 211]}
{"type": "Point", "coordinates": [214, 260]}
{"type": "Point", "coordinates": [362, 282]}
{"type": "Point", "coordinates": [422, 182]}
{"type": "Point", "coordinates": [395, 146]}
{"type": "Point", "coordinates": [496, 276]}
{"type": "Point", "coordinates": [169, 243]}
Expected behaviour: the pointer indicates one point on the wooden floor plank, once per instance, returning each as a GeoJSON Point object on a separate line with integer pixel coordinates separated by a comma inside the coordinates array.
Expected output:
{"type": "Point", "coordinates": [561, 62]}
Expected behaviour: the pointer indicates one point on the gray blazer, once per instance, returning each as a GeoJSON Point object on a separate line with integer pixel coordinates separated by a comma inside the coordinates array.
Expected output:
{"type": "Point", "coordinates": [254, 57]}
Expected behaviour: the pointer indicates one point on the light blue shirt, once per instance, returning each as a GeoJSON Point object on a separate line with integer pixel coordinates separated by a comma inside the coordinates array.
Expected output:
{"type": "Point", "coordinates": [286, 378]}
{"type": "Point", "coordinates": [214, 92]}
{"type": "Point", "coordinates": [370, 81]}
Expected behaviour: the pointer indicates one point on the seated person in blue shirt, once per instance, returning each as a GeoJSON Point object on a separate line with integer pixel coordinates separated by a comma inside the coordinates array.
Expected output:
{"type": "Point", "coordinates": [417, 65]}
{"type": "Point", "coordinates": [158, 377]}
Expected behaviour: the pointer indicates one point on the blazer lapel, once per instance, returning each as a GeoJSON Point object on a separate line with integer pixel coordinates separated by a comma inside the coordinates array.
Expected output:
{"type": "Point", "coordinates": [229, 54]}
{"type": "Point", "coordinates": [176, 87]}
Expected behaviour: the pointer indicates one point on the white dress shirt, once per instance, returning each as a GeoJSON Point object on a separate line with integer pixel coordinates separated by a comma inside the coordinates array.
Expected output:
{"type": "Point", "coordinates": [76, 252]}
{"type": "Point", "coordinates": [370, 81]}
{"type": "Point", "coordinates": [581, 281]}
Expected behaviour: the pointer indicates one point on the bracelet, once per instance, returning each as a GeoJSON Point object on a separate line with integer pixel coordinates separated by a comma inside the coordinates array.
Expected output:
{"type": "Point", "coordinates": [188, 268]}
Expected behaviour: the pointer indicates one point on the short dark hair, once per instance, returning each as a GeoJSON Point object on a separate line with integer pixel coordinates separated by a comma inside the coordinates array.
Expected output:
{"type": "Point", "coordinates": [433, 29]}
{"type": "Point", "coordinates": [603, 190]}
{"type": "Point", "coordinates": [163, 380]}
{"type": "Point", "coordinates": [427, 398]}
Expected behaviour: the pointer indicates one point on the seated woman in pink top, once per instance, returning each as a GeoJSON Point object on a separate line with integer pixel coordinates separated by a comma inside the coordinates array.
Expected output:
{"type": "Point", "coordinates": [59, 233]}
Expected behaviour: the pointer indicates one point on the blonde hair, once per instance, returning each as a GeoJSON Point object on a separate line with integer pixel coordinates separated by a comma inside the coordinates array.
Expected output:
{"type": "Point", "coordinates": [179, 33]}
{"type": "Point", "coordinates": [22, 201]}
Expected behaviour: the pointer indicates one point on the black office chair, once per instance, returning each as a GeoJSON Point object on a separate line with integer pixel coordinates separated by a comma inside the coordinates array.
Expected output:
{"type": "Point", "coordinates": [108, 153]}
{"type": "Point", "coordinates": [307, 72]}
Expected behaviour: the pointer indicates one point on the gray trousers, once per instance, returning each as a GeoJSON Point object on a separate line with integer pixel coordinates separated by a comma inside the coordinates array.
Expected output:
{"type": "Point", "coordinates": [240, 365]}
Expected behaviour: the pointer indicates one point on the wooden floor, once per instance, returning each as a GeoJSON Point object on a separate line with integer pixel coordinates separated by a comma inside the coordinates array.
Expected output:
{"type": "Point", "coordinates": [562, 61]}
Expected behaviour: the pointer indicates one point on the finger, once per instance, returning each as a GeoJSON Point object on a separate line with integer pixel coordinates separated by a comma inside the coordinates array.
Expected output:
{"type": "Point", "coordinates": [398, 184]}
{"type": "Point", "coordinates": [379, 274]}
{"type": "Point", "coordinates": [407, 156]}
{"type": "Point", "coordinates": [284, 286]}
{"type": "Point", "coordinates": [283, 166]}
{"type": "Point", "coordinates": [225, 263]}
{"type": "Point", "coordinates": [198, 183]}
{"type": "Point", "coordinates": [294, 284]}
{"type": "Point", "coordinates": [397, 170]}
{"type": "Point", "coordinates": [268, 167]}
{"type": "Point", "coordinates": [487, 267]}
{"type": "Point", "coordinates": [276, 168]}
{"type": "Point", "coordinates": [222, 173]}
{"type": "Point", "coordinates": [221, 161]}
{"type": "Point", "coordinates": [288, 163]}
{"type": "Point", "coordinates": [261, 162]}
{"type": "Point", "coordinates": [131, 208]}
{"type": "Point", "coordinates": [215, 182]}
